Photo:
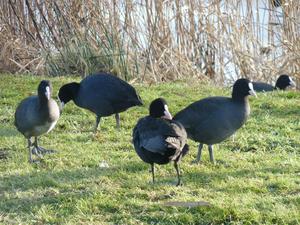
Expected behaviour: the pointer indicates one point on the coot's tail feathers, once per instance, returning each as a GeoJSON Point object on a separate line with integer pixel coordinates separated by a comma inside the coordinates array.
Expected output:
{"type": "Point", "coordinates": [134, 101]}
{"type": "Point", "coordinates": [177, 154]}
{"type": "Point", "coordinates": [182, 153]}
{"type": "Point", "coordinates": [173, 142]}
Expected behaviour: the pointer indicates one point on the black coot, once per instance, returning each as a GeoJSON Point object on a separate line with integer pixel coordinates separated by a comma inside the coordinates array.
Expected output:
{"type": "Point", "coordinates": [102, 94]}
{"type": "Point", "coordinates": [37, 115]}
{"type": "Point", "coordinates": [159, 139]}
{"type": "Point", "coordinates": [212, 120]}
{"type": "Point", "coordinates": [282, 83]}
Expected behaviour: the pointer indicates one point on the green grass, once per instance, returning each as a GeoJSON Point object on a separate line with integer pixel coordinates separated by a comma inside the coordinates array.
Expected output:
{"type": "Point", "coordinates": [256, 179]}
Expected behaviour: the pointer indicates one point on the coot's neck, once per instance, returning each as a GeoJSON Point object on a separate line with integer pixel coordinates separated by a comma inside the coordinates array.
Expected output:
{"type": "Point", "coordinates": [74, 89]}
{"type": "Point", "coordinates": [44, 106]}
{"type": "Point", "coordinates": [237, 97]}
{"type": "Point", "coordinates": [43, 100]}
{"type": "Point", "coordinates": [243, 102]}
{"type": "Point", "coordinates": [278, 87]}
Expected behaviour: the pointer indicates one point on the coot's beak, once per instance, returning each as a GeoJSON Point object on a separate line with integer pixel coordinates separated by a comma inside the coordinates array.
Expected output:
{"type": "Point", "coordinates": [48, 93]}
{"type": "Point", "coordinates": [292, 83]}
{"type": "Point", "coordinates": [140, 101]}
{"type": "Point", "coordinates": [61, 105]}
{"type": "Point", "coordinates": [167, 115]}
{"type": "Point", "coordinates": [251, 91]}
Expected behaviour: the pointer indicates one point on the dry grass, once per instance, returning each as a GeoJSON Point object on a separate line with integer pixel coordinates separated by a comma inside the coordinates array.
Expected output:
{"type": "Point", "coordinates": [151, 40]}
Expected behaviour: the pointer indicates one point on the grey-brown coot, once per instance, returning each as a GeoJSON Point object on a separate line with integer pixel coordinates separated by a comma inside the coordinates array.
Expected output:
{"type": "Point", "coordinates": [282, 83]}
{"type": "Point", "coordinates": [103, 94]}
{"type": "Point", "coordinates": [37, 115]}
{"type": "Point", "coordinates": [212, 120]}
{"type": "Point", "coordinates": [159, 139]}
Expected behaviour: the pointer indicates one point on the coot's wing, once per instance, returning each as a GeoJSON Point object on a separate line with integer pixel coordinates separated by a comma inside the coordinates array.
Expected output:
{"type": "Point", "coordinates": [199, 112]}
{"type": "Point", "coordinates": [25, 115]}
{"type": "Point", "coordinates": [157, 135]}
{"type": "Point", "coordinates": [104, 92]}
{"type": "Point", "coordinates": [124, 95]}
{"type": "Point", "coordinates": [211, 120]}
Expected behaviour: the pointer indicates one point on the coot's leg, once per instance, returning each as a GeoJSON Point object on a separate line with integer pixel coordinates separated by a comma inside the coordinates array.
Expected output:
{"type": "Point", "coordinates": [152, 170]}
{"type": "Point", "coordinates": [117, 116]}
{"type": "Point", "coordinates": [211, 154]}
{"type": "Point", "coordinates": [40, 150]}
{"type": "Point", "coordinates": [30, 150]}
{"type": "Point", "coordinates": [98, 119]}
{"type": "Point", "coordinates": [199, 153]}
{"type": "Point", "coordinates": [178, 173]}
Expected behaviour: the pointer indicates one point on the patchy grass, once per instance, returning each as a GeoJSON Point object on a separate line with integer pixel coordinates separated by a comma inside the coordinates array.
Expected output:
{"type": "Point", "coordinates": [256, 179]}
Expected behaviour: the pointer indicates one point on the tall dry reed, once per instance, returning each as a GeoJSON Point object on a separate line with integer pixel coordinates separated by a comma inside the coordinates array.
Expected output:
{"type": "Point", "coordinates": [149, 40]}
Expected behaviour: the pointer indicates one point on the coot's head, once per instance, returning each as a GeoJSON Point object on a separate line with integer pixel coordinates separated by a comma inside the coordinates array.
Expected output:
{"type": "Point", "coordinates": [242, 88]}
{"type": "Point", "coordinates": [45, 89]}
{"type": "Point", "coordinates": [139, 100]}
{"type": "Point", "coordinates": [159, 109]}
{"type": "Point", "coordinates": [67, 93]}
{"type": "Point", "coordinates": [284, 81]}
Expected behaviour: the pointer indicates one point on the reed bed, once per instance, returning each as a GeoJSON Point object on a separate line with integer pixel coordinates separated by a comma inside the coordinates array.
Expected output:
{"type": "Point", "coordinates": [152, 41]}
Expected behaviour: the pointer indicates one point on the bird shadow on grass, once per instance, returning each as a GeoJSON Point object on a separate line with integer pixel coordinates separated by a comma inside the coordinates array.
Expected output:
{"type": "Point", "coordinates": [46, 179]}
{"type": "Point", "coordinates": [200, 215]}
{"type": "Point", "coordinates": [204, 178]}
{"type": "Point", "coordinates": [138, 168]}
{"type": "Point", "coordinates": [59, 189]}
{"type": "Point", "coordinates": [60, 179]}
{"type": "Point", "coordinates": [52, 189]}
{"type": "Point", "coordinates": [7, 132]}
{"type": "Point", "coordinates": [29, 205]}
{"type": "Point", "coordinates": [4, 153]}
{"type": "Point", "coordinates": [65, 202]}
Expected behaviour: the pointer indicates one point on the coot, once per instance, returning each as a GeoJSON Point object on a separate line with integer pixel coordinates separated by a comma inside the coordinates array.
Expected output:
{"type": "Point", "coordinates": [212, 120]}
{"type": "Point", "coordinates": [159, 139]}
{"type": "Point", "coordinates": [282, 83]}
{"type": "Point", "coordinates": [103, 94]}
{"type": "Point", "coordinates": [37, 115]}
